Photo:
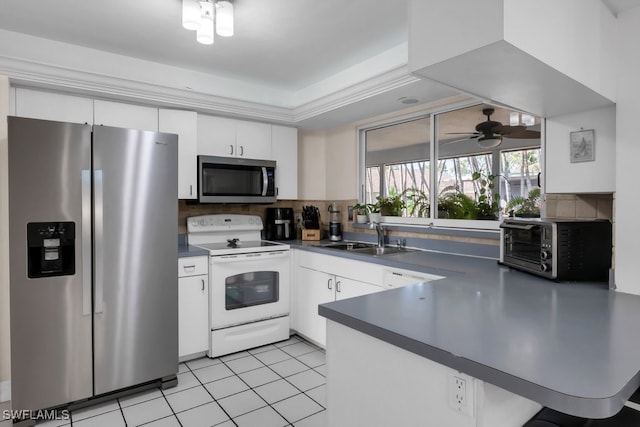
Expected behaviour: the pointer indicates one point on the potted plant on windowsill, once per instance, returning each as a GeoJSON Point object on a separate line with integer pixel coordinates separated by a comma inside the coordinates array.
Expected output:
{"type": "Point", "coordinates": [361, 212]}
{"type": "Point", "coordinates": [392, 205]}
{"type": "Point", "coordinates": [417, 202]}
{"type": "Point", "coordinates": [525, 207]}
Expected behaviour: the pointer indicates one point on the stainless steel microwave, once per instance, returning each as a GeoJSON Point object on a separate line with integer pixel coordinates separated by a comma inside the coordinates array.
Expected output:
{"type": "Point", "coordinates": [236, 180]}
{"type": "Point", "coordinates": [558, 249]}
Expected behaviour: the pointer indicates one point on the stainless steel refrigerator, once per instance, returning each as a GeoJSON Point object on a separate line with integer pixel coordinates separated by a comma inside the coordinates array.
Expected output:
{"type": "Point", "coordinates": [93, 215]}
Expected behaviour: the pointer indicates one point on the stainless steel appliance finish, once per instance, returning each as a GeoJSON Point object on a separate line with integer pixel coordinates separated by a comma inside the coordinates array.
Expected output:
{"type": "Point", "coordinates": [558, 249]}
{"type": "Point", "coordinates": [236, 180]}
{"type": "Point", "coordinates": [335, 227]}
{"type": "Point", "coordinates": [112, 322]}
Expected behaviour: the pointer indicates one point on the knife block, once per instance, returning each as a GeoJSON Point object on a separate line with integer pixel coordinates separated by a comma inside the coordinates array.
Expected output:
{"type": "Point", "coordinates": [309, 234]}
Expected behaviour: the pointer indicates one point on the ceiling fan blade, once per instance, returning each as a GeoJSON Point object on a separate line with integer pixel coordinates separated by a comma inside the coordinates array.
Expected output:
{"type": "Point", "coordinates": [504, 130]}
{"type": "Point", "coordinates": [459, 140]}
{"type": "Point", "coordinates": [463, 133]}
{"type": "Point", "coordinates": [523, 134]}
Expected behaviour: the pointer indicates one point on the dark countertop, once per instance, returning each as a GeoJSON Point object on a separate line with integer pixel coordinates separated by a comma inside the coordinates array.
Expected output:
{"type": "Point", "coordinates": [185, 250]}
{"type": "Point", "coordinates": [568, 346]}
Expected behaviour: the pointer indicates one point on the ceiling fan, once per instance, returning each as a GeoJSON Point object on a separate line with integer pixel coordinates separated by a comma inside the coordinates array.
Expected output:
{"type": "Point", "coordinates": [489, 133]}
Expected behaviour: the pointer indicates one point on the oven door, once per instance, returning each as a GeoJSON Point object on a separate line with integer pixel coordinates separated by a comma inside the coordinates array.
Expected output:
{"type": "Point", "coordinates": [530, 246]}
{"type": "Point", "coordinates": [522, 244]}
{"type": "Point", "coordinates": [246, 288]}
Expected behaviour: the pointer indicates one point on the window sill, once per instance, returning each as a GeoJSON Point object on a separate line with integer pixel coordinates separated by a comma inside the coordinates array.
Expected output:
{"type": "Point", "coordinates": [484, 229]}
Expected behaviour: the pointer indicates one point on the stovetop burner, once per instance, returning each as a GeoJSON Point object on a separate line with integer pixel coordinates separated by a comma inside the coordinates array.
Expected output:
{"type": "Point", "coordinates": [233, 243]}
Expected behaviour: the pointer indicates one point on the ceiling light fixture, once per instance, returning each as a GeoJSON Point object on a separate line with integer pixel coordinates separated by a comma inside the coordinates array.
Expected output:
{"type": "Point", "coordinates": [200, 16]}
{"type": "Point", "coordinates": [489, 141]}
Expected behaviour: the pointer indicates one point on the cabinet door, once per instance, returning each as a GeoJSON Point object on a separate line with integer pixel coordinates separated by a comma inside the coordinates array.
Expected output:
{"type": "Point", "coordinates": [284, 150]}
{"type": "Point", "coordinates": [122, 115]}
{"type": "Point", "coordinates": [193, 315]}
{"type": "Point", "coordinates": [216, 136]}
{"type": "Point", "coordinates": [349, 288]}
{"type": "Point", "coordinates": [312, 289]}
{"type": "Point", "coordinates": [253, 140]}
{"type": "Point", "coordinates": [185, 125]}
{"type": "Point", "coordinates": [53, 106]}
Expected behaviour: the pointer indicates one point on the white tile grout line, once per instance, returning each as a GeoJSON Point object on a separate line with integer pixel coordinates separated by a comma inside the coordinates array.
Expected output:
{"type": "Point", "coordinates": [298, 340]}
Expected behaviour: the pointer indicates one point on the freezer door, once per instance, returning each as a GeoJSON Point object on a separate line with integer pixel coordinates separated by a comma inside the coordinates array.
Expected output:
{"type": "Point", "coordinates": [135, 255]}
{"type": "Point", "coordinates": [50, 288]}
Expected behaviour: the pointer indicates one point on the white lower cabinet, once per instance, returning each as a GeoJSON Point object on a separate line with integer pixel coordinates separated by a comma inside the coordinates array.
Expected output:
{"type": "Point", "coordinates": [321, 279]}
{"type": "Point", "coordinates": [193, 307]}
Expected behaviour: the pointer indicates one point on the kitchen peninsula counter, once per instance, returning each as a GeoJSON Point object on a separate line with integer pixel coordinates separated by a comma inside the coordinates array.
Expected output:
{"type": "Point", "coordinates": [568, 346]}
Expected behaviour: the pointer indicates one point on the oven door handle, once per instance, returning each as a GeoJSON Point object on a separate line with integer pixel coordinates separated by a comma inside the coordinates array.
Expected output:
{"type": "Point", "coordinates": [518, 226]}
{"type": "Point", "coordinates": [258, 256]}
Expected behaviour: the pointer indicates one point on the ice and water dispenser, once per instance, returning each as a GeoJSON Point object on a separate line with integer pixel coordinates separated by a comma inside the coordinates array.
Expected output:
{"type": "Point", "coordinates": [51, 249]}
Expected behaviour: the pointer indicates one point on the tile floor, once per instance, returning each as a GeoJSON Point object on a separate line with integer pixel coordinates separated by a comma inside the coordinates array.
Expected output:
{"type": "Point", "coordinates": [277, 385]}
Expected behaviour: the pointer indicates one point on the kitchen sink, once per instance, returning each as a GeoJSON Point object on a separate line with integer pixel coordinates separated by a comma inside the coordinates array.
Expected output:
{"type": "Point", "coordinates": [385, 250]}
{"type": "Point", "coordinates": [366, 248]}
{"type": "Point", "coordinates": [349, 246]}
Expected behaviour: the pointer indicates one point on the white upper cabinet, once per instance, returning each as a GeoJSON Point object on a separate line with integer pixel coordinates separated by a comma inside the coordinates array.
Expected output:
{"type": "Point", "coordinates": [548, 58]}
{"type": "Point", "coordinates": [185, 125]}
{"type": "Point", "coordinates": [284, 150]}
{"type": "Point", "coordinates": [562, 174]}
{"type": "Point", "coordinates": [253, 140]}
{"type": "Point", "coordinates": [122, 115]}
{"type": "Point", "coordinates": [44, 105]}
{"type": "Point", "coordinates": [219, 136]}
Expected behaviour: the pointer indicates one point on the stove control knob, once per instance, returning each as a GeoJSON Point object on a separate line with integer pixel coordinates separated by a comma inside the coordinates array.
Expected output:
{"type": "Point", "coordinates": [545, 268]}
{"type": "Point", "coordinates": [545, 254]}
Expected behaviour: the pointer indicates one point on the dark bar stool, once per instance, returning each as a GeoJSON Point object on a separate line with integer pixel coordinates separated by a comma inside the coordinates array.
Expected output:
{"type": "Point", "coordinates": [627, 417]}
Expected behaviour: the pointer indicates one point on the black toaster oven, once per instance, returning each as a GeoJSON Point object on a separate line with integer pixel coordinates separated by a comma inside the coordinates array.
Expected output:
{"type": "Point", "coordinates": [558, 249]}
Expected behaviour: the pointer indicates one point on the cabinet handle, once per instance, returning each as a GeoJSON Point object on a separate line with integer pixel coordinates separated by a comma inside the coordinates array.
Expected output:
{"type": "Point", "coordinates": [191, 189]}
{"type": "Point", "coordinates": [202, 284]}
{"type": "Point", "coordinates": [329, 284]}
{"type": "Point", "coordinates": [539, 173]}
{"type": "Point", "coordinates": [189, 268]}
{"type": "Point", "coordinates": [338, 286]}
{"type": "Point", "coordinates": [231, 149]}
{"type": "Point", "coordinates": [242, 150]}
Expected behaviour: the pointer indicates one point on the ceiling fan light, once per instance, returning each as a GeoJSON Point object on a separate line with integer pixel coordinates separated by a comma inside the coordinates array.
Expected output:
{"type": "Point", "coordinates": [528, 120]}
{"type": "Point", "coordinates": [489, 141]}
{"type": "Point", "coordinates": [224, 18]}
{"type": "Point", "coordinates": [204, 34]}
{"type": "Point", "coordinates": [514, 118]}
{"type": "Point", "coordinates": [190, 14]}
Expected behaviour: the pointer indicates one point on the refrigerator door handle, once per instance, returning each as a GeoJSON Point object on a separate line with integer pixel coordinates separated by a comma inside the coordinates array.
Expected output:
{"type": "Point", "coordinates": [86, 242]}
{"type": "Point", "coordinates": [99, 239]}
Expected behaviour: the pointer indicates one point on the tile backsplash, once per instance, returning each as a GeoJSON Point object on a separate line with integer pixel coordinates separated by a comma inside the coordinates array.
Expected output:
{"type": "Point", "coordinates": [589, 206]}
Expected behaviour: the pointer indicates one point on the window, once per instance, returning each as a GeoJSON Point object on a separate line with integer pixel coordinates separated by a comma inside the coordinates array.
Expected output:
{"type": "Point", "coordinates": [473, 180]}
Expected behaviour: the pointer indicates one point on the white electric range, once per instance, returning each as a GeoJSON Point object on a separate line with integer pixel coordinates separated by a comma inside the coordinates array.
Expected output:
{"type": "Point", "coordinates": [249, 282]}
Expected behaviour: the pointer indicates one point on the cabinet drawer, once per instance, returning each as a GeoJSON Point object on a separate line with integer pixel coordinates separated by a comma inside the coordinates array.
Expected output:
{"type": "Point", "coordinates": [193, 266]}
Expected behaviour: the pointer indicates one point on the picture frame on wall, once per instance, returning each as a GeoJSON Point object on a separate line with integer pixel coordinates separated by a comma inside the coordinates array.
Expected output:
{"type": "Point", "coordinates": [582, 146]}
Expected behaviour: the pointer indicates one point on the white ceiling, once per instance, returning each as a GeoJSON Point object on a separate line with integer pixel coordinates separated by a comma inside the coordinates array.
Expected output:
{"type": "Point", "coordinates": [292, 46]}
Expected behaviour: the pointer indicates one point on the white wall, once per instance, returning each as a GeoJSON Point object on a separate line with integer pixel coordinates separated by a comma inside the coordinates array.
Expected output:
{"type": "Point", "coordinates": [5, 370]}
{"type": "Point", "coordinates": [597, 176]}
{"type": "Point", "coordinates": [627, 198]}
{"type": "Point", "coordinates": [576, 37]}
{"type": "Point", "coordinates": [312, 166]}
{"type": "Point", "coordinates": [342, 163]}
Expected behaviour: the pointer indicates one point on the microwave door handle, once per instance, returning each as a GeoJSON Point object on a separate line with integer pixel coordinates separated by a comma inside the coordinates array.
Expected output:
{"type": "Point", "coordinates": [517, 226]}
{"type": "Point", "coordinates": [265, 181]}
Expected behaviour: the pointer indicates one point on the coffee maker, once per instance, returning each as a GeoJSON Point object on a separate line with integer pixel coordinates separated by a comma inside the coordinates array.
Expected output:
{"type": "Point", "coordinates": [279, 224]}
{"type": "Point", "coordinates": [335, 227]}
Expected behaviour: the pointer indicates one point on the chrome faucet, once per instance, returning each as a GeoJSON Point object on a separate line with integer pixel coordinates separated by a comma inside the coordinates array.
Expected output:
{"type": "Point", "coordinates": [380, 231]}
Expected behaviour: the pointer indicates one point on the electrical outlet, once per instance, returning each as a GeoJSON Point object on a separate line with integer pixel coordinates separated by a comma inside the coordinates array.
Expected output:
{"type": "Point", "coordinates": [461, 393]}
